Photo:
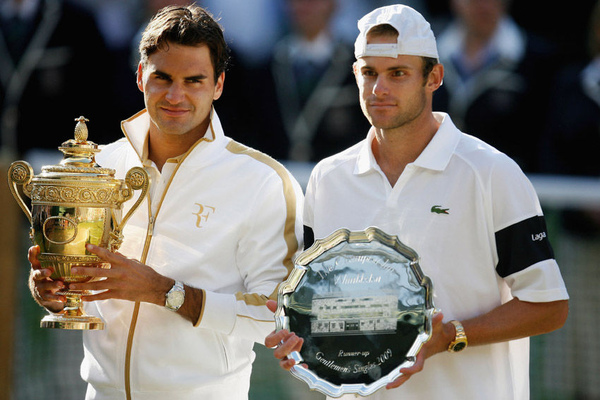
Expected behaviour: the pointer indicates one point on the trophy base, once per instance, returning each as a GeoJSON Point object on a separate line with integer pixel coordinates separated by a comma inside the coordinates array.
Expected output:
{"type": "Point", "coordinates": [59, 321]}
{"type": "Point", "coordinates": [73, 316]}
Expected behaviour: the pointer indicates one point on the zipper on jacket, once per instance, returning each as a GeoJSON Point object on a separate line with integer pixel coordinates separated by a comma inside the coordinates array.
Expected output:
{"type": "Point", "coordinates": [150, 227]}
{"type": "Point", "coordinates": [136, 308]}
{"type": "Point", "coordinates": [149, 233]}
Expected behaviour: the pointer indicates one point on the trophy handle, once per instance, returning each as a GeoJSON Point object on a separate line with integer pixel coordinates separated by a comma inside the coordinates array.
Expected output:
{"type": "Point", "coordinates": [136, 179]}
{"type": "Point", "coordinates": [20, 173]}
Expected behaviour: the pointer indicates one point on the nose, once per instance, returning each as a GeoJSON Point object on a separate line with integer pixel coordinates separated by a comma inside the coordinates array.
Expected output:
{"type": "Point", "coordinates": [175, 94]}
{"type": "Point", "coordinates": [380, 87]}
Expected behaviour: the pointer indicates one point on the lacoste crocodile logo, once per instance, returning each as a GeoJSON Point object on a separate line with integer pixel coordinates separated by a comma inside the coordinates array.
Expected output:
{"type": "Point", "coordinates": [439, 210]}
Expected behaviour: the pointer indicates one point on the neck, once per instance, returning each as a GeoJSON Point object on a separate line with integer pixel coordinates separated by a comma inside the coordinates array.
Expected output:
{"type": "Point", "coordinates": [395, 148]}
{"type": "Point", "coordinates": [162, 147]}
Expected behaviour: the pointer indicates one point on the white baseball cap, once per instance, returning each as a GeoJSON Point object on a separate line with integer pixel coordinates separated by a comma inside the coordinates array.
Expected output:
{"type": "Point", "coordinates": [415, 37]}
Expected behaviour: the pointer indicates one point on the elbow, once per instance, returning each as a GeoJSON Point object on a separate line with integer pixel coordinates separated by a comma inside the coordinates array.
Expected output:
{"type": "Point", "coordinates": [550, 316]}
{"type": "Point", "coordinates": [554, 316]}
{"type": "Point", "coordinates": [562, 312]}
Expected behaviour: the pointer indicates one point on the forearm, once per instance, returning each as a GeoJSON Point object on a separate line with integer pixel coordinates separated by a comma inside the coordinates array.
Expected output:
{"type": "Point", "coordinates": [514, 320]}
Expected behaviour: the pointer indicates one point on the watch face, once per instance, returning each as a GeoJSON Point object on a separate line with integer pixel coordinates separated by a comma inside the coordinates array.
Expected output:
{"type": "Point", "coordinates": [458, 346]}
{"type": "Point", "coordinates": [175, 299]}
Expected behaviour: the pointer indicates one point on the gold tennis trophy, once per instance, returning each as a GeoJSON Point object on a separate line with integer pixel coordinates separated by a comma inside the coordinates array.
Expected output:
{"type": "Point", "coordinates": [74, 203]}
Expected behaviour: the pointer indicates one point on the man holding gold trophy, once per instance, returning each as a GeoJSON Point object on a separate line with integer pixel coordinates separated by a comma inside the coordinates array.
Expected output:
{"type": "Point", "coordinates": [467, 209]}
{"type": "Point", "coordinates": [184, 300]}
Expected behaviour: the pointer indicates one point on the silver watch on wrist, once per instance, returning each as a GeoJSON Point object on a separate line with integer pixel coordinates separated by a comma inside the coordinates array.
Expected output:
{"type": "Point", "coordinates": [175, 297]}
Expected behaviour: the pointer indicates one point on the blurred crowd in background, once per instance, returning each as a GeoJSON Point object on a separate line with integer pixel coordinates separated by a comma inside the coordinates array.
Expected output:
{"type": "Point", "coordinates": [522, 75]}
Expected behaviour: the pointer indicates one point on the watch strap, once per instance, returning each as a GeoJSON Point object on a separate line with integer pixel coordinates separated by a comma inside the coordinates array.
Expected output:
{"type": "Point", "coordinates": [460, 338]}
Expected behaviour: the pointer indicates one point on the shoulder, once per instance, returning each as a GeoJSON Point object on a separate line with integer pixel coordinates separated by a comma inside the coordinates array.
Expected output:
{"type": "Point", "coordinates": [501, 182]}
{"type": "Point", "coordinates": [252, 156]}
{"type": "Point", "coordinates": [257, 164]}
{"type": "Point", "coordinates": [467, 155]}
{"type": "Point", "coordinates": [338, 163]}
{"type": "Point", "coordinates": [483, 157]}
{"type": "Point", "coordinates": [492, 174]}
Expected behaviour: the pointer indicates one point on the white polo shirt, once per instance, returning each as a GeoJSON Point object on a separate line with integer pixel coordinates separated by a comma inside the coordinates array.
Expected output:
{"type": "Point", "coordinates": [476, 222]}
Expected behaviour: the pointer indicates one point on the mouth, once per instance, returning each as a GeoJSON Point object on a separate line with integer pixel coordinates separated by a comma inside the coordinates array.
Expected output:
{"type": "Point", "coordinates": [381, 103]}
{"type": "Point", "coordinates": [174, 112]}
{"type": "Point", "coordinates": [381, 106]}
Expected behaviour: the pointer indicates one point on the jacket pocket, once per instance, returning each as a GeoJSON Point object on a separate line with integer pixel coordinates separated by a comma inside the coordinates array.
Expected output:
{"type": "Point", "coordinates": [223, 352]}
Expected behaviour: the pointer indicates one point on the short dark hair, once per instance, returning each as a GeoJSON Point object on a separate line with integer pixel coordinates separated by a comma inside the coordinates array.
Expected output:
{"type": "Point", "coordinates": [187, 26]}
{"type": "Point", "coordinates": [428, 64]}
{"type": "Point", "coordinates": [389, 30]}
{"type": "Point", "coordinates": [383, 30]}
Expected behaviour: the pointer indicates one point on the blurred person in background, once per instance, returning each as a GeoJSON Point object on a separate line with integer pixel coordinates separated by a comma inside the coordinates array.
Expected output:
{"type": "Point", "coordinates": [304, 100]}
{"type": "Point", "coordinates": [573, 124]}
{"type": "Point", "coordinates": [48, 51]}
{"type": "Point", "coordinates": [496, 78]}
{"type": "Point", "coordinates": [251, 27]}
{"type": "Point", "coordinates": [571, 143]}
{"type": "Point", "coordinates": [119, 20]}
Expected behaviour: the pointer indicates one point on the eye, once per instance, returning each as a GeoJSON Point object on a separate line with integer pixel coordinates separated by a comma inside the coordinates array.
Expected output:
{"type": "Point", "coordinates": [161, 77]}
{"type": "Point", "coordinates": [369, 73]}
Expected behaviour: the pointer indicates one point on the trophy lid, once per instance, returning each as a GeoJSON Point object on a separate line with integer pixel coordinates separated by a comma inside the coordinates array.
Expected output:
{"type": "Point", "coordinates": [79, 157]}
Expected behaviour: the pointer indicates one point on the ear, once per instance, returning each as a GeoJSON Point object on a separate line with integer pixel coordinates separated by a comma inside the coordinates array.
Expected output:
{"type": "Point", "coordinates": [356, 71]}
{"type": "Point", "coordinates": [139, 77]}
{"type": "Point", "coordinates": [436, 77]}
{"type": "Point", "coordinates": [219, 86]}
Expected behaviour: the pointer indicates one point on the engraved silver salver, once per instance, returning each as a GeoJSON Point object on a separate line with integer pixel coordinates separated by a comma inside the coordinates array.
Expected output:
{"type": "Point", "coordinates": [363, 307]}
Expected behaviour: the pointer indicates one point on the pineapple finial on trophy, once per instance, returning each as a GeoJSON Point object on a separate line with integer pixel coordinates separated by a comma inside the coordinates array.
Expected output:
{"type": "Point", "coordinates": [81, 130]}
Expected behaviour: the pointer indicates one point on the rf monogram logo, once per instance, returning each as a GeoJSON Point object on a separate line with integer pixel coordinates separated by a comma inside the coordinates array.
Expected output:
{"type": "Point", "coordinates": [202, 214]}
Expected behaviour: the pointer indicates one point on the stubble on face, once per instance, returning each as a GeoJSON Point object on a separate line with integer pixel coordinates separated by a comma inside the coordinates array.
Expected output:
{"type": "Point", "coordinates": [392, 94]}
{"type": "Point", "coordinates": [179, 88]}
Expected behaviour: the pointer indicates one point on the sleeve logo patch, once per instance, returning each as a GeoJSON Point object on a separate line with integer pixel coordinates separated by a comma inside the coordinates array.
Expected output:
{"type": "Point", "coordinates": [538, 237]}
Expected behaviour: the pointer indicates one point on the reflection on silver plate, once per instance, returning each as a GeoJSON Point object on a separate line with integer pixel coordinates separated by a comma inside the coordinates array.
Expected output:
{"type": "Point", "coordinates": [363, 307]}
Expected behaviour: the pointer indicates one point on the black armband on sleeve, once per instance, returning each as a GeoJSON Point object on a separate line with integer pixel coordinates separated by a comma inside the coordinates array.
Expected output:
{"type": "Point", "coordinates": [521, 245]}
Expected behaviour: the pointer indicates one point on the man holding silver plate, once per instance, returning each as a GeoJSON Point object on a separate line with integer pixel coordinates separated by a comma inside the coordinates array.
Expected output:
{"type": "Point", "coordinates": [467, 210]}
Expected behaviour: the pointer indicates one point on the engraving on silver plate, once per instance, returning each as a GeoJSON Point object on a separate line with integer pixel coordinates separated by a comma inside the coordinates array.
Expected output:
{"type": "Point", "coordinates": [363, 306]}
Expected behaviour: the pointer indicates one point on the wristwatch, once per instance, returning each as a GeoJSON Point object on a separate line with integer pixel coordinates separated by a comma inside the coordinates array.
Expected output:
{"type": "Point", "coordinates": [460, 339]}
{"type": "Point", "coordinates": [175, 296]}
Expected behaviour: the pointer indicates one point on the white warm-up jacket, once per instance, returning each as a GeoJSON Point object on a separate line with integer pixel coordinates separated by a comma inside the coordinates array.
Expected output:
{"type": "Point", "coordinates": [229, 223]}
